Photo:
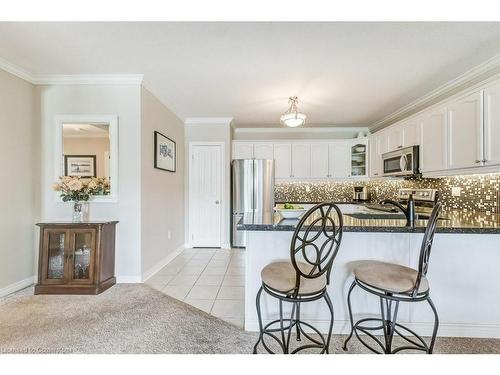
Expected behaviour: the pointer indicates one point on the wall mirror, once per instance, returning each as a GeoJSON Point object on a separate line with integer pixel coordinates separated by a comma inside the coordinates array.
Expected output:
{"type": "Point", "coordinates": [87, 148]}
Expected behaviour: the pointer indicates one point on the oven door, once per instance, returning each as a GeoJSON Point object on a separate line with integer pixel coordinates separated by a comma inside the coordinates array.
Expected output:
{"type": "Point", "coordinates": [400, 163]}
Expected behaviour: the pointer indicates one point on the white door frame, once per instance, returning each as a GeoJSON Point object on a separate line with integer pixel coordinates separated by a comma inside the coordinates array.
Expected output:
{"type": "Point", "coordinates": [223, 188]}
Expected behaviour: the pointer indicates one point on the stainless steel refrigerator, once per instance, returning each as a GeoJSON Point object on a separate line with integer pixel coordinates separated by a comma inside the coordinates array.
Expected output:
{"type": "Point", "coordinates": [252, 192]}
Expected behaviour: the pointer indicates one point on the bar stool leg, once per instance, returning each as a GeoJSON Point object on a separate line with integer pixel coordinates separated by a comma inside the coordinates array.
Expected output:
{"type": "Point", "coordinates": [350, 315]}
{"type": "Point", "coordinates": [297, 322]}
{"type": "Point", "coordinates": [388, 321]}
{"type": "Point", "coordinates": [282, 329]}
{"type": "Point", "coordinates": [330, 306]}
{"type": "Point", "coordinates": [261, 330]}
{"type": "Point", "coordinates": [436, 325]}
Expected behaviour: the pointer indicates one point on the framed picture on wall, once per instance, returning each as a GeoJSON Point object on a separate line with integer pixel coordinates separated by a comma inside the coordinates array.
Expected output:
{"type": "Point", "coordinates": [165, 153]}
{"type": "Point", "coordinates": [80, 166]}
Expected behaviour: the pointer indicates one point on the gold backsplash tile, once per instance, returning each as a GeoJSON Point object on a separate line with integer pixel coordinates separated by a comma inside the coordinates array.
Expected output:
{"type": "Point", "coordinates": [478, 192]}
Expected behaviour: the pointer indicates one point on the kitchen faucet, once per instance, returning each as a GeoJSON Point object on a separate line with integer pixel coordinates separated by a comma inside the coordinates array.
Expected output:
{"type": "Point", "coordinates": [409, 211]}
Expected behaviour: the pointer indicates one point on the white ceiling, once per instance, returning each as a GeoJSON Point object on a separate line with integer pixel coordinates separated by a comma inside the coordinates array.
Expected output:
{"type": "Point", "coordinates": [343, 73]}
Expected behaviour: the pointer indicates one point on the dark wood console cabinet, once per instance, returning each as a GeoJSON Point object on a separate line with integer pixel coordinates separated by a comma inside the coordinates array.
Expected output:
{"type": "Point", "coordinates": [76, 258]}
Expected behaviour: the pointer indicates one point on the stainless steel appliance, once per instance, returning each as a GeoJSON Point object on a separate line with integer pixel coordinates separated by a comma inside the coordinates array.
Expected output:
{"type": "Point", "coordinates": [422, 197]}
{"type": "Point", "coordinates": [402, 162]}
{"type": "Point", "coordinates": [252, 192]}
{"type": "Point", "coordinates": [361, 194]}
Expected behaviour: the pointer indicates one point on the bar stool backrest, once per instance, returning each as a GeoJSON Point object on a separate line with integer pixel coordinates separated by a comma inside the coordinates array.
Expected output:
{"type": "Point", "coordinates": [316, 242]}
{"type": "Point", "coordinates": [425, 249]}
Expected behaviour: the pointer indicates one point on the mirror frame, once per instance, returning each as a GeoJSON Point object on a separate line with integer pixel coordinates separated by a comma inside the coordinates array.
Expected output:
{"type": "Point", "coordinates": [112, 121]}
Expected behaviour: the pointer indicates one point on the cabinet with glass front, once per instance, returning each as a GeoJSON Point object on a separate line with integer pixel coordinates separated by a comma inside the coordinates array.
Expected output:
{"type": "Point", "coordinates": [76, 258]}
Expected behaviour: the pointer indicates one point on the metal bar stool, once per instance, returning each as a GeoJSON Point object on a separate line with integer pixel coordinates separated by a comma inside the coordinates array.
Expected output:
{"type": "Point", "coordinates": [393, 284]}
{"type": "Point", "coordinates": [304, 278]}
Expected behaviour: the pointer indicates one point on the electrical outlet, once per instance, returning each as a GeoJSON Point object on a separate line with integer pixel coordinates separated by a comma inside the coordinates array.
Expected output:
{"type": "Point", "coordinates": [456, 191]}
{"type": "Point", "coordinates": [169, 235]}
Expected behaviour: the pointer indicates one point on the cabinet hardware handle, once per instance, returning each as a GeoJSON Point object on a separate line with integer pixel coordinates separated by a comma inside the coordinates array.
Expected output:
{"type": "Point", "coordinates": [485, 160]}
{"type": "Point", "coordinates": [400, 146]}
{"type": "Point", "coordinates": [478, 161]}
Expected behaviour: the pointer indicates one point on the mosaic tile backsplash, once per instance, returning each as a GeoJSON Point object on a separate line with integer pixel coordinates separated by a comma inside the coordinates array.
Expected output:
{"type": "Point", "coordinates": [478, 192]}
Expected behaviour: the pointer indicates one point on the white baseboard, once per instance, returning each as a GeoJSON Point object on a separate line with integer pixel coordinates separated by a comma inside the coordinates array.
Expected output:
{"type": "Point", "coordinates": [128, 280]}
{"type": "Point", "coordinates": [9, 289]}
{"type": "Point", "coordinates": [445, 329]}
{"type": "Point", "coordinates": [162, 263]}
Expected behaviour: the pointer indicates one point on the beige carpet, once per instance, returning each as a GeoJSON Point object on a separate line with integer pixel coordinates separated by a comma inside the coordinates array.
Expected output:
{"type": "Point", "coordinates": [134, 318]}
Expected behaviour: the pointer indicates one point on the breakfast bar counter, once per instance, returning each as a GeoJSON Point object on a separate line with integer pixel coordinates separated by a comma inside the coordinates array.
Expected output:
{"type": "Point", "coordinates": [463, 269]}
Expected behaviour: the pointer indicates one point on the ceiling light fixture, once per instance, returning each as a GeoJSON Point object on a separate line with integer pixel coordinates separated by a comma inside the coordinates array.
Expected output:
{"type": "Point", "coordinates": [293, 117]}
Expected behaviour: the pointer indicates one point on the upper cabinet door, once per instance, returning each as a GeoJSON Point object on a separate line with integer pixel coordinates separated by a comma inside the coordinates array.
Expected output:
{"type": "Point", "coordinates": [319, 160]}
{"type": "Point", "coordinates": [263, 151]}
{"type": "Point", "coordinates": [394, 136]}
{"type": "Point", "coordinates": [301, 160]}
{"type": "Point", "coordinates": [242, 150]}
{"type": "Point", "coordinates": [340, 159]}
{"type": "Point", "coordinates": [433, 141]}
{"type": "Point", "coordinates": [410, 132]}
{"type": "Point", "coordinates": [282, 160]}
{"type": "Point", "coordinates": [492, 125]}
{"type": "Point", "coordinates": [465, 129]}
{"type": "Point", "coordinates": [374, 160]}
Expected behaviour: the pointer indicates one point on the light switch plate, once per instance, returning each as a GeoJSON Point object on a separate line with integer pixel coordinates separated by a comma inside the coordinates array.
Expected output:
{"type": "Point", "coordinates": [456, 191]}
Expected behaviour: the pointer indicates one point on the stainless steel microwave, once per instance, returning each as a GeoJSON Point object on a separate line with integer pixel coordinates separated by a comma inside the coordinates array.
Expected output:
{"type": "Point", "coordinates": [402, 162]}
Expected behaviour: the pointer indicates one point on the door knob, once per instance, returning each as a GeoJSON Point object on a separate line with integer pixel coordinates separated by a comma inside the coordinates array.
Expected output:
{"type": "Point", "coordinates": [216, 202]}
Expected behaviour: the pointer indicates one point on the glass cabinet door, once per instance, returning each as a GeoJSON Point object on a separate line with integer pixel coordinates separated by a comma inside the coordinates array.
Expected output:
{"type": "Point", "coordinates": [55, 253]}
{"type": "Point", "coordinates": [358, 160]}
{"type": "Point", "coordinates": [81, 259]}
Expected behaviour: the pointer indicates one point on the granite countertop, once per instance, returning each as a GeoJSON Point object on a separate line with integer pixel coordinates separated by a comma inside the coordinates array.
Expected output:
{"type": "Point", "coordinates": [453, 221]}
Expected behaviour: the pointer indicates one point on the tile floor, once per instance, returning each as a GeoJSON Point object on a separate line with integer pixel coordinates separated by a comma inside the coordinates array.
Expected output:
{"type": "Point", "coordinates": [212, 280]}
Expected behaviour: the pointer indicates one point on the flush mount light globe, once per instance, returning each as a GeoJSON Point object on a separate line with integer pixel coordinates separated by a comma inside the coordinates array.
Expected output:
{"type": "Point", "coordinates": [293, 117]}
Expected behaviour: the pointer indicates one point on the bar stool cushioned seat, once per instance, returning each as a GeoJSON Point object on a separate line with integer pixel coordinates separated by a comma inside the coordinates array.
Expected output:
{"type": "Point", "coordinates": [281, 277]}
{"type": "Point", "coordinates": [393, 278]}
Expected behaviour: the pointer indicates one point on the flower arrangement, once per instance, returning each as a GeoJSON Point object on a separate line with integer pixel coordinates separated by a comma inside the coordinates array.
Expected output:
{"type": "Point", "coordinates": [77, 189]}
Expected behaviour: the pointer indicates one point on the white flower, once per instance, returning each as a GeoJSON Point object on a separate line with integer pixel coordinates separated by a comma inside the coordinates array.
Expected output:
{"type": "Point", "coordinates": [75, 185]}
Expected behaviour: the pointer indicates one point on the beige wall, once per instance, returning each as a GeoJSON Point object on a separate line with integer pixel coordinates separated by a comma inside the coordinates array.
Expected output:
{"type": "Point", "coordinates": [88, 146]}
{"type": "Point", "coordinates": [162, 192]}
{"type": "Point", "coordinates": [122, 100]}
{"type": "Point", "coordinates": [19, 176]}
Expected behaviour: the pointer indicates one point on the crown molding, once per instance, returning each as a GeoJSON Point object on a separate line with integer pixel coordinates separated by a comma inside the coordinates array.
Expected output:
{"type": "Point", "coordinates": [463, 81]}
{"type": "Point", "coordinates": [71, 79]}
{"type": "Point", "coordinates": [16, 71]}
{"type": "Point", "coordinates": [336, 129]}
{"type": "Point", "coordinates": [89, 79]}
{"type": "Point", "coordinates": [208, 121]}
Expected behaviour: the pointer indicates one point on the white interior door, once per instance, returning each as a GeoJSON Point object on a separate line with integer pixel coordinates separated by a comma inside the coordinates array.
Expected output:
{"type": "Point", "coordinates": [205, 193]}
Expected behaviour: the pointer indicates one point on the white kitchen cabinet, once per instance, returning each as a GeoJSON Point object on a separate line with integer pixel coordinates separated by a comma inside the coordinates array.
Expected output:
{"type": "Point", "coordinates": [492, 125]}
{"type": "Point", "coordinates": [282, 160]}
{"type": "Point", "coordinates": [340, 159]}
{"type": "Point", "coordinates": [242, 150]}
{"type": "Point", "coordinates": [319, 160]}
{"type": "Point", "coordinates": [263, 151]}
{"type": "Point", "coordinates": [394, 138]}
{"type": "Point", "coordinates": [465, 131]}
{"type": "Point", "coordinates": [410, 132]}
{"type": "Point", "coordinates": [378, 146]}
{"type": "Point", "coordinates": [301, 160]}
{"type": "Point", "coordinates": [433, 140]}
